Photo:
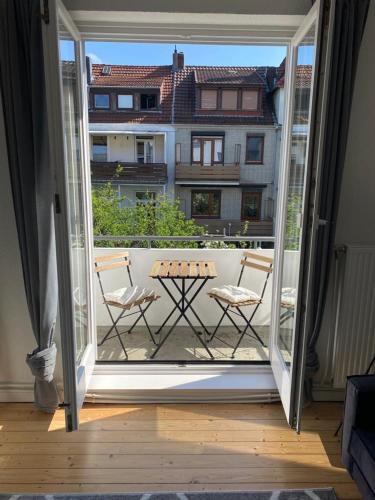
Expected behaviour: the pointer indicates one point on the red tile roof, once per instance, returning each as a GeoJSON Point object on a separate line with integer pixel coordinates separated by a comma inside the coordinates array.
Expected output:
{"type": "Point", "coordinates": [303, 77]}
{"type": "Point", "coordinates": [129, 76]}
{"type": "Point", "coordinates": [180, 88]}
{"type": "Point", "coordinates": [134, 77]}
{"type": "Point", "coordinates": [227, 75]}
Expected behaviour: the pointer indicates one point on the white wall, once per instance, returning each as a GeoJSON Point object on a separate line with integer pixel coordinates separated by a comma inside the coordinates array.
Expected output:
{"type": "Point", "coordinates": [15, 328]}
{"type": "Point", "coordinates": [16, 335]}
{"type": "Point", "coordinates": [227, 266]}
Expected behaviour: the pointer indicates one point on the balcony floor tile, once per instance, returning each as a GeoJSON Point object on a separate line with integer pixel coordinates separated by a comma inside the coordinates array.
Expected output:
{"type": "Point", "coordinates": [183, 346]}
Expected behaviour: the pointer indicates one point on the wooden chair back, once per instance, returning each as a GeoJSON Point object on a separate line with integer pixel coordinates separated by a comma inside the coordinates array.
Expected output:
{"type": "Point", "coordinates": [112, 261]}
{"type": "Point", "coordinates": [257, 261]}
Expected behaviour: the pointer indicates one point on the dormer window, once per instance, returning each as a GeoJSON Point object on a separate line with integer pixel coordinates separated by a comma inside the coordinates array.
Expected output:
{"type": "Point", "coordinates": [124, 101]}
{"type": "Point", "coordinates": [149, 102]}
{"type": "Point", "coordinates": [250, 100]}
{"type": "Point", "coordinates": [229, 99]}
{"type": "Point", "coordinates": [209, 99]}
{"type": "Point", "coordinates": [101, 101]}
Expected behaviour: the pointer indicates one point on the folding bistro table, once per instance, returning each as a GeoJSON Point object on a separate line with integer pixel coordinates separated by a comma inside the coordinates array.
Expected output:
{"type": "Point", "coordinates": [182, 270]}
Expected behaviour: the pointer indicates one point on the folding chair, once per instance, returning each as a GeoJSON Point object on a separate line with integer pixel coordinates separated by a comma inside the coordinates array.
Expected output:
{"type": "Point", "coordinates": [231, 298]}
{"type": "Point", "coordinates": [288, 303]}
{"type": "Point", "coordinates": [125, 298]}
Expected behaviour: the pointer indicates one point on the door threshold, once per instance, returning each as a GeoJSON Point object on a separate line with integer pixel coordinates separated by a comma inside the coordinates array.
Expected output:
{"type": "Point", "coordinates": [181, 383]}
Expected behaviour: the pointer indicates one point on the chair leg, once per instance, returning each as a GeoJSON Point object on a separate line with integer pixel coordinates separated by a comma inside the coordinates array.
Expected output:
{"type": "Point", "coordinates": [225, 313]}
{"type": "Point", "coordinates": [113, 327]}
{"type": "Point", "coordinates": [143, 314]}
{"type": "Point", "coordinates": [244, 331]}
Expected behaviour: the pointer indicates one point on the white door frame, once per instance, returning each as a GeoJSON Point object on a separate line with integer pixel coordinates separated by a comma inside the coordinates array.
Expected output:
{"type": "Point", "coordinates": [76, 376]}
{"type": "Point", "coordinates": [285, 376]}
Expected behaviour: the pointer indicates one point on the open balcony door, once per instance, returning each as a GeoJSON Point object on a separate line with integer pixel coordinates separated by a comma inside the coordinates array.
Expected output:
{"type": "Point", "coordinates": [288, 345]}
{"type": "Point", "coordinates": [67, 123]}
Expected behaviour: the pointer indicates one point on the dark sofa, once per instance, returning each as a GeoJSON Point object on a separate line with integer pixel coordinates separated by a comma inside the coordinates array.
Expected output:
{"type": "Point", "coordinates": [358, 438]}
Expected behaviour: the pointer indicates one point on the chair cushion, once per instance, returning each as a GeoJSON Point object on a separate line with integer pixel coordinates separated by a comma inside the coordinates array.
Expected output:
{"type": "Point", "coordinates": [288, 297]}
{"type": "Point", "coordinates": [128, 295]}
{"type": "Point", "coordinates": [362, 449]}
{"type": "Point", "coordinates": [234, 294]}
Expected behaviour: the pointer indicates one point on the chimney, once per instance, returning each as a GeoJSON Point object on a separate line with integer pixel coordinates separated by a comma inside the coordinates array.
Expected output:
{"type": "Point", "coordinates": [178, 60]}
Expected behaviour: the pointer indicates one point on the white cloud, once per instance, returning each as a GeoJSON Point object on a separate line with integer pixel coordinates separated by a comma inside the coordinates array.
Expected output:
{"type": "Point", "coordinates": [94, 58]}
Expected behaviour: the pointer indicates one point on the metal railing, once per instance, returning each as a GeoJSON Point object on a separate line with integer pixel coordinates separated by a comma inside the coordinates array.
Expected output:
{"type": "Point", "coordinates": [256, 241]}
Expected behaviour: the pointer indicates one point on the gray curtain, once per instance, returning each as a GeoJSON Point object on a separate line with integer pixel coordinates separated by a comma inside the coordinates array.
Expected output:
{"type": "Point", "coordinates": [24, 104]}
{"type": "Point", "coordinates": [349, 24]}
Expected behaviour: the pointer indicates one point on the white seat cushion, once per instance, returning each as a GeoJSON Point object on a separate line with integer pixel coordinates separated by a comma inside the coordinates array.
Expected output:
{"type": "Point", "coordinates": [288, 297]}
{"type": "Point", "coordinates": [128, 295]}
{"type": "Point", "coordinates": [234, 294]}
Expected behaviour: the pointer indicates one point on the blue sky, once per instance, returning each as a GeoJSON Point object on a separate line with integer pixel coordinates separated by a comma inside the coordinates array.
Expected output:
{"type": "Point", "coordinates": [212, 55]}
{"type": "Point", "coordinates": [160, 54]}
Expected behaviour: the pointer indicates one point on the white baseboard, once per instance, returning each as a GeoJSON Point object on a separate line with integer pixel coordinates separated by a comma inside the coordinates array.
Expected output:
{"type": "Point", "coordinates": [16, 393]}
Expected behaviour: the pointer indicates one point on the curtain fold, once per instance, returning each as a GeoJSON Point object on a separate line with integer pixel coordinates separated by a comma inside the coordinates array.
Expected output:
{"type": "Point", "coordinates": [349, 25]}
{"type": "Point", "coordinates": [24, 103]}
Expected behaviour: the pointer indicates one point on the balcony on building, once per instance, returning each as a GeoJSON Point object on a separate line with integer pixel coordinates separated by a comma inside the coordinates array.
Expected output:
{"type": "Point", "coordinates": [129, 157]}
{"type": "Point", "coordinates": [207, 163]}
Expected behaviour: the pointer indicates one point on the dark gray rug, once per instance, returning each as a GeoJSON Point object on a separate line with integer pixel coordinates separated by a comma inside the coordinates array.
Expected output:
{"type": "Point", "coordinates": [318, 494]}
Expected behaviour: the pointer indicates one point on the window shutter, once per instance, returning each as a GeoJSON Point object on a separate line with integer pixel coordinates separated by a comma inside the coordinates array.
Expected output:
{"type": "Point", "coordinates": [250, 99]}
{"type": "Point", "coordinates": [208, 99]}
{"type": "Point", "coordinates": [229, 99]}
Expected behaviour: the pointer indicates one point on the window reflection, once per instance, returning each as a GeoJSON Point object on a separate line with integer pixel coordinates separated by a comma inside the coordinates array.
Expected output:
{"type": "Point", "coordinates": [295, 194]}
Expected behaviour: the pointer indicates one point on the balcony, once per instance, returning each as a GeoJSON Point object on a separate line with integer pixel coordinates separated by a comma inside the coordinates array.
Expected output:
{"type": "Point", "coordinates": [129, 173]}
{"type": "Point", "coordinates": [226, 174]}
{"type": "Point", "coordinates": [182, 345]}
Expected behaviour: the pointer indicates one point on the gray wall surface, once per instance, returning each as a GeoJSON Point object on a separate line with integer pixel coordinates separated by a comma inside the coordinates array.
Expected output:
{"type": "Point", "coordinates": [356, 221]}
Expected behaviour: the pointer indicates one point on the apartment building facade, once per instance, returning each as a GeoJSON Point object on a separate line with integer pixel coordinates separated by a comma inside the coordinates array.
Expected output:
{"type": "Point", "coordinates": [206, 135]}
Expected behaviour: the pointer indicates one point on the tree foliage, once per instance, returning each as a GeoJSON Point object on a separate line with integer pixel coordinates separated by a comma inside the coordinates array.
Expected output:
{"type": "Point", "coordinates": [292, 230]}
{"type": "Point", "coordinates": [160, 216]}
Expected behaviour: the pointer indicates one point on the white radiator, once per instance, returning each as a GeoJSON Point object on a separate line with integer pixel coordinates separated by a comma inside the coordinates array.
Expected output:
{"type": "Point", "coordinates": [355, 319]}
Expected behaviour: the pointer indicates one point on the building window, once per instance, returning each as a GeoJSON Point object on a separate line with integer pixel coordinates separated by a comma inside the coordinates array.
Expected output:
{"type": "Point", "coordinates": [145, 149]}
{"type": "Point", "coordinates": [254, 148]}
{"type": "Point", "coordinates": [178, 152]}
{"type": "Point", "coordinates": [250, 100]}
{"type": "Point", "coordinates": [229, 99]}
{"type": "Point", "coordinates": [205, 204]}
{"type": "Point", "coordinates": [99, 148]}
{"type": "Point", "coordinates": [208, 99]}
{"type": "Point", "coordinates": [125, 101]}
{"type": "Point", "coordinates": [251, 205]}
{"type": "Point", "coordinates": [101, 101]}
{"type": "Point", "coordinates": [145, 197]}
{"type": "Point", "coordinates": [207, 150]}
{"type": "Point", "coordinates": [149, 102]}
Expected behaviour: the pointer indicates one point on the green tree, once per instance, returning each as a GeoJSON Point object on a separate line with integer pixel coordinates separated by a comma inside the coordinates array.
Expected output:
{"type": "Point", "coordinates": [292, 230]}
{"type": "Point", "coordinates": [161, 216]}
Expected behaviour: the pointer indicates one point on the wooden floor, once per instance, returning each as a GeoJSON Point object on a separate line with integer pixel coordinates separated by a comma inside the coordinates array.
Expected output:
{"type": "Point", "coordinates": [122, 448]}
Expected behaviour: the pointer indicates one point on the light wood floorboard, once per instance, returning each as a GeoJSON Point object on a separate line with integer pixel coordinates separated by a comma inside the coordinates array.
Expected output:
{"type": "Point", "coordinates": [191, 447]}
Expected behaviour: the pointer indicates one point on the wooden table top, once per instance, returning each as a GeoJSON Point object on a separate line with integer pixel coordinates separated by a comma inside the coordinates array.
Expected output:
{"type": "Point", "coordinates": [183, 269]}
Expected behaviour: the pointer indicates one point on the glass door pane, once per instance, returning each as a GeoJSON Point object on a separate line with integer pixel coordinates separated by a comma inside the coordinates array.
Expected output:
{"type": "Point", "coordinates": [291, 249]}
{"type": "Point", "coordinates": [286, 357]}
{"type": "Point", "coordinates": [207, 145]}
{"type": "Point", "coordinates": [76, 194]}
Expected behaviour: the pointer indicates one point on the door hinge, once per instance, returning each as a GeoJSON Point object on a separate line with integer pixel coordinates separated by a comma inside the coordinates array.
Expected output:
{"type": "Point", "coordinates": [57, 204]}
{"type": "Point", "coordinates": [45, 13]}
